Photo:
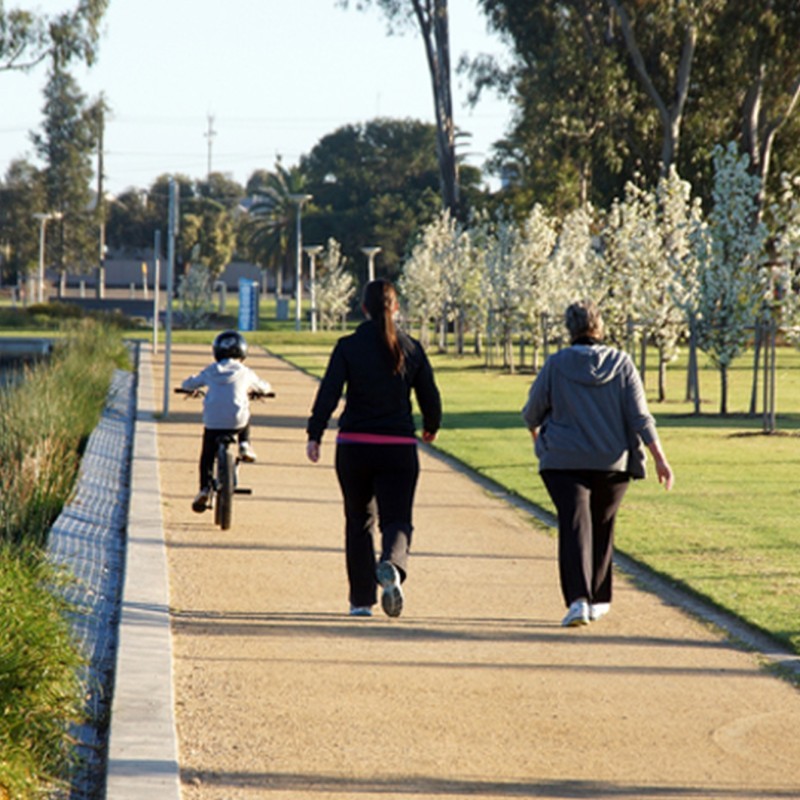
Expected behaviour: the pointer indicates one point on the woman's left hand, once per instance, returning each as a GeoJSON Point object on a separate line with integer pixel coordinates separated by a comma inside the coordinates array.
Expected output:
{"type": "Point", "coordinates": [428, 437]}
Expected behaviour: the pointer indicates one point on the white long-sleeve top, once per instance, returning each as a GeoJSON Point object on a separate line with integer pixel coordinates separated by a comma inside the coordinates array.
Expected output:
{"type": "Point", "coordinates": [226, 405]}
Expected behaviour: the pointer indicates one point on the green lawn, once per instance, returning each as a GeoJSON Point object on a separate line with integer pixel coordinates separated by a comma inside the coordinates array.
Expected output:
{"type": "Point", "coordinates": [728, 530]}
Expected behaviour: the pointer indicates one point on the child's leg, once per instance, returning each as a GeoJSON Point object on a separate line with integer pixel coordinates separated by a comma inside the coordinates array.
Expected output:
{"type": "Point", "coordinates": [244, 434]}
{"type": "Point", "coordinates": [207, 456]}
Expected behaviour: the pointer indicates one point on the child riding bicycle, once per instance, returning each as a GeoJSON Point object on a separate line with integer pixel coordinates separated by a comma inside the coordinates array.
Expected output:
{"type": "Point", "coordinates": [226, 405]}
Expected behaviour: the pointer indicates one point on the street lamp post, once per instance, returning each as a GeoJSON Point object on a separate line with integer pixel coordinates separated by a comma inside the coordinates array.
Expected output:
{"type": "Point", "coordinates": [370, 253]}
{"type": "Point", "coordinates": [298, 278]}
{"type": "Point", "coordinates": [43, 219]}
{"type": "Point", "coordinates": [312, 251]}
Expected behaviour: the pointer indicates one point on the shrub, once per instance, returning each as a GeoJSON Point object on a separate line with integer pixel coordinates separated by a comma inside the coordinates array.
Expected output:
{"type": "Point", "coordinates": [40, 691]}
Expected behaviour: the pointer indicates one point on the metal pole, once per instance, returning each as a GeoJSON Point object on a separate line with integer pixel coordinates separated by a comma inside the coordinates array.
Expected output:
{"type": "Point", "coordinates": [298, 276]}
{"type": "Point", "coordinates": [370, 253]}
{"type": "Point", "coordinates": [156, 282]}
{"type": "Point", "coordinates": [312, 278]}
{"type": "Point", "coordinates": [773, 424]}
{"type": "Point", "coordinates": [40, 290]}
{"type": "Point", "coordinates": [171, 233]}
{"type": "Point", "coordinates": [312, 251]}
{"type": "Point", "coordinates": [299, 270]}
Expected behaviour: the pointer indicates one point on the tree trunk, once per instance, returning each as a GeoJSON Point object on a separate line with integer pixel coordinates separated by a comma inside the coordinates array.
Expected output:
{"type": "Point", "coordinates": [759, 129]}
{"type": "Point", "coordinates": [460, 332]}
{"type": "Point", "coordinates": [435, 28]}
{"type": "Point", "coordinates": [692, 372]}
{"type": "Point", "coordinates": [662, 376]}
{"type": "Point", "coordinates": [756, 362]}
{"type": "Point", "coordinates": [671, 116]}
{"type": "Point", "coordinates": [723, 389]}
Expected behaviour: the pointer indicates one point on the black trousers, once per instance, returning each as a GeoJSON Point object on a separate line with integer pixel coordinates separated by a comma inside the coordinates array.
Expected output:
{"type": "Point", "coordinates": [209, 451]}
{"type": "Point", "coordinates": [587, 502]}
{"type": "Point", "coordinates": [378, 483]}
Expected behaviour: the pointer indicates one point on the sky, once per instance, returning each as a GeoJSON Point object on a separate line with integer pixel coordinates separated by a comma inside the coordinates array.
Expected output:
{"type": "Point", "coordinates": [267, 79]}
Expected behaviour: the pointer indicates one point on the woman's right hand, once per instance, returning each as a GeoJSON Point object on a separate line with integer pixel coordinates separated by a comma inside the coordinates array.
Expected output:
{"type": "Point", "coordinates": [312, 451]}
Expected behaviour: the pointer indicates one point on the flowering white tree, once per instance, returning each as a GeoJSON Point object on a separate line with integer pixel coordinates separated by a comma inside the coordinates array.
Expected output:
{"type": "Point", "coordinates": [422, 282]}
{"type": "Point", "coordinates": [731, 281]}
{"type": "Point", "coordinates": [672, 283]}
{"type": "Point", "coordinates": [534, 248]}
{"type": "Point", "coordinates": [194, 291]}
{"type": "Point", "coordinates": [574, 269]}
{"type": "Point", "coordinates": [506, 283]}
{"type": "Point", "coordinates": [449, 247]}
{"type": "Point", "coordinates": [631, 251]}
{"type": "Point", "coordinates": [335, 287]}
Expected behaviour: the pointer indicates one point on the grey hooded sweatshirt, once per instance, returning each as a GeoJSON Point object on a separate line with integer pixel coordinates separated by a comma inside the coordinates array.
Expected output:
{"type": "Point", "coordinates": [589, 405]}
{"type": "Point", "coordinates": [226, 405]}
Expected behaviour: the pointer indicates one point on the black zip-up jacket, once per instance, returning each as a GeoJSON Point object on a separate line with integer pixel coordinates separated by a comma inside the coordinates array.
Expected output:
{"type": "Point", "coordinates": [377, 401]}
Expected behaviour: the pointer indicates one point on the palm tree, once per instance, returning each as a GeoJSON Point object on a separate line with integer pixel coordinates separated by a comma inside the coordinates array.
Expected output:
{"type": "Point", "coordinates": [269, 229]}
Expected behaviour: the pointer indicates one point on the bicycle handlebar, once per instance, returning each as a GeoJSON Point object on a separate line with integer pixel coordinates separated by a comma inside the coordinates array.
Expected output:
{"type": "Point", "coordinates": [254, 395]}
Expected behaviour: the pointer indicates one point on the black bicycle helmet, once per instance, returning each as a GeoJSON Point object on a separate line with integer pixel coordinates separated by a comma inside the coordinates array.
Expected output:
{"type": "Point", "coordinates": [230, 344]}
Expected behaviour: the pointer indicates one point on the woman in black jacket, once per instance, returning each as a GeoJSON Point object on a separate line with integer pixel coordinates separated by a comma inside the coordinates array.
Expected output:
{"type": "Point", "coordinates": [376, 448]}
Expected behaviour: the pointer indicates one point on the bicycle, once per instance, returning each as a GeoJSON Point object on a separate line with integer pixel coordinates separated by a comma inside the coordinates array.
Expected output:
{"type": "Point", "coordinates": [225, 482]}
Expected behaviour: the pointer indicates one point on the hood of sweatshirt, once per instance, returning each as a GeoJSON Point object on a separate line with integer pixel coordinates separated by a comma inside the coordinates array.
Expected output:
{"type": "Point", "coordinates": [222, 372]}
{"type": "Point", "coordinates": [589, 365]}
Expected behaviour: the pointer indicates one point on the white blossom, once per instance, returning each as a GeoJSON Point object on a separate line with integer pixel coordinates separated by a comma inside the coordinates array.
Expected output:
{"type": "Point", "coordinates": [731, 280]}
{"type": "Point", "coordinates": [335, 287]}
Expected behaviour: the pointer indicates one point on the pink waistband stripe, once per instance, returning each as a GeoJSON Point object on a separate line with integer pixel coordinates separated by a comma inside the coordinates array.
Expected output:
{"type": "Point", "coordinates": [344, 437]}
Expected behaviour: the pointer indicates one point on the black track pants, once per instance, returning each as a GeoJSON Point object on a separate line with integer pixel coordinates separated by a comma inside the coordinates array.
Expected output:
{"type": "Point", "coordinates": [378, 482]}
{"type": "Point", "coordinates": [587, 503]}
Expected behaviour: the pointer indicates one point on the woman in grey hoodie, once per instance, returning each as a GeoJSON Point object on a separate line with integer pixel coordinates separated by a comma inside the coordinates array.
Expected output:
{"type": "Point", "coordinates": [588, 416]}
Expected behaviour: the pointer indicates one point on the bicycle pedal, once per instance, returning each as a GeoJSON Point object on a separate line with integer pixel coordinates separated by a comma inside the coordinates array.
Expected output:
{"type": "Point", "coordinates": [242, 491]}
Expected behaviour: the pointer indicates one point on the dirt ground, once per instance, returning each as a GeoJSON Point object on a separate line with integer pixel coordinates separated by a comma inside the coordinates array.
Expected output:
{"type": "Point", "coordinates": [475, 691]}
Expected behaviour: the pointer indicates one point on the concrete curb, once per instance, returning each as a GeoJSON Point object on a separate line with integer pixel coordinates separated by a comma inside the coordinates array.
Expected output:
{"type": "Point", "coordinates": [143, 749]}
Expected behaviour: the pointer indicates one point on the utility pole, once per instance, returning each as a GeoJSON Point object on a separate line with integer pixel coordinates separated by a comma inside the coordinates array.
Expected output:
{"type": "Point", "coordinates": [100, 288]}
{"type": "Point", "coordinates": [210, 134]}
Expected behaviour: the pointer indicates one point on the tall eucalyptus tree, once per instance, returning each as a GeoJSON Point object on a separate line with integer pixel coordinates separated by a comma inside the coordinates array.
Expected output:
{"type": "Point", "coordinates": [432, 18]}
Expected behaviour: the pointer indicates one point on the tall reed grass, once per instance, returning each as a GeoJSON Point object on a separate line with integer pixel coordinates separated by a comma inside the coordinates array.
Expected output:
{"type": "Point", "coordinates": [45, 419]}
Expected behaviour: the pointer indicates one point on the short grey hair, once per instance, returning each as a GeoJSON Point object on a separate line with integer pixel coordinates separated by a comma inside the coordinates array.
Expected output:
{"type": "Point", "coordinates": [584, 319]}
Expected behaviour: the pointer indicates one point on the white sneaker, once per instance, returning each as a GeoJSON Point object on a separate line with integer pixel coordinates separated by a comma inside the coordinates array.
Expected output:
{"type": "Point", "coordinates": [392, 597]}
{"type": "Point", "coordinates": [201, 502]}
{"type": "Point", "coordinates": [360, 611]}
{"type": "Point", "coordinates": [597, 610]}
{"type": "Point", "coordinates": [578, 614]}
{"type": "Point", "coordinates": [246, 453]}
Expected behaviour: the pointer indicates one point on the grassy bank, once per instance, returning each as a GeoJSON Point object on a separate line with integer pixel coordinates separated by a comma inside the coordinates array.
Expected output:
{"type": "Point", "coordinates": [44, 423]}
{"type": "Point", "coordinates": [40, 693]}
{"type": "Point", "coordinates": [727, 531]}
{"type": "Point", "coordinates": [45, 420]}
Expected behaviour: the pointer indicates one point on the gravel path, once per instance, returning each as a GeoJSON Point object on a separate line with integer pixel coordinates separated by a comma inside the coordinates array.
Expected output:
{"type": "Point", "coordinates": [476, 691]}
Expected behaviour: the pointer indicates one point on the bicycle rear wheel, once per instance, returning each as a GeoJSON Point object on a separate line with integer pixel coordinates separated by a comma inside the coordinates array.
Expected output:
{"type": "Point", "coordinates": [223, 512]}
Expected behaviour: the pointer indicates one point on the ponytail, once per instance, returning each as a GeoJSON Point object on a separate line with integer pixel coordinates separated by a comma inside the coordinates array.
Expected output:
{"type": "Point", "coordinates": [380, 303]}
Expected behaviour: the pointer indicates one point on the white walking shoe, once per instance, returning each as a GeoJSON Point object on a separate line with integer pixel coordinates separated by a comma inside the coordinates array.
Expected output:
{"type": "Point", "coordinates": [392, 597]}
{"type": "Point", "coordinates": [578, 614]}
{"type": "Point", "coordinates": [202, 501]}
{"type": "Point", "coordinates": [597, 610]}
{"type": "Point", "coordinates": [246, 453]}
